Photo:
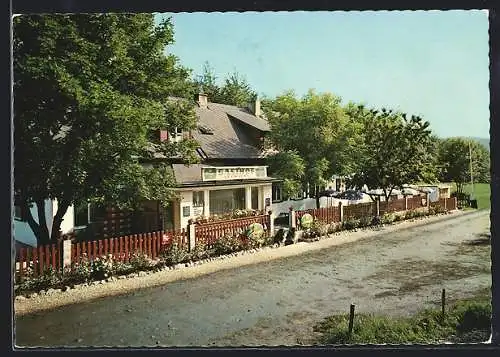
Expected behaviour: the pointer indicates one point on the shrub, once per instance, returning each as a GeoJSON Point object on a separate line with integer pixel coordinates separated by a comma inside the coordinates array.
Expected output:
{"type": "Point", "coordinates": [174, 254]}
{"type": "Point", "coordinates": [376, 221]}
{"type": "Point", "coordinates": [365, 221]}
{"type": "Point", "coordinates": [229, 244]}
{"type": "Point", "coordinates": [387, 218]}
{"type": "Point", "coordinates": [48, 278]}
{"type": "Point", "coordinates": [140, 261]}
{"type": "Point", "coordinates": [350, 223]}
{"type": "Point", "coordinates": [199, 252]}
{"type": "Point", "coordinates": [319, 228]}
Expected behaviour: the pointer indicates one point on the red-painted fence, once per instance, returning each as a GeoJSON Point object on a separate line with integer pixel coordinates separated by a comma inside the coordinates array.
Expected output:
{"type": "Point", "coordinates": [357, 211]}
{"type": "Point", "coordinates": [208, 233]}
{"type": "Point", "coordinates": [37, 260]}
{"type": "Point", "coordinates": [369, 209]}
{"type": "Point", "coordinates": [324, 214]}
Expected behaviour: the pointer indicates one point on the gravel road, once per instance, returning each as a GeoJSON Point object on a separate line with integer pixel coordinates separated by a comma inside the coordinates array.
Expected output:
{"type": "Point", "coordinates": [277, 302]}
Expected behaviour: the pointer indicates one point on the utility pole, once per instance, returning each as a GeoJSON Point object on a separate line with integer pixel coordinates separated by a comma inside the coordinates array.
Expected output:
{"type": "Point", "coordinates": [471, 174]}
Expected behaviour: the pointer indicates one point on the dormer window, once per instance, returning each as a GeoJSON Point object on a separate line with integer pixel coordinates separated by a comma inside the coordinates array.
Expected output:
{"type": "Point", "coordinates": [205, 130]}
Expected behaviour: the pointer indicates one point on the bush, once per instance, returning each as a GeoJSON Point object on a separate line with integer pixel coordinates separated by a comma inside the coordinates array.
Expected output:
{"type": "Point", "coordinates": [140, 261]}
{"type": "Point", "coordinates": [174, 254]}
{"type": "Point", "coordinates": [365, 221]}
{"type": "Point", "coordinates": [229, 244]}
{"type": "Point", "coordinates": [376, 221]}
{"type": "Point", "coordinates": [387, 218]}
{"type": "Point", "coordinates": [350, 224]}
{"type": "Point", "coordinates": [49, 278]}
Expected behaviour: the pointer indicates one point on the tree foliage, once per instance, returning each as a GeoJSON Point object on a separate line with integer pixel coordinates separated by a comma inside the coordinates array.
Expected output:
{"type": "Point", "coordinates": [88, 91]}
{"type": "Point", "coordinates": [395, 150]}
{"type": "Point", "coordinates": [316, 128]}
{"type": "Point", "coordinates": [454, 161]}
{"type": "Point", "coordinates": [289, 166]}
{"type": "Point", "coordinates": [235, 89]}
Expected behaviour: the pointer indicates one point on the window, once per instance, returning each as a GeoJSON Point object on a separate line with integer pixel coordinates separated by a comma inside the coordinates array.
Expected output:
{"type": "Point", "coordinates": [86, 213]}
{"type": "Point", "coordinates": [277, 190]}
{"type": "Point", "coordinates": [225, 201]}
{"type": "Point", "coordinates": [198, 198]}
{"type": "Point", "coordinates": [255, 198]}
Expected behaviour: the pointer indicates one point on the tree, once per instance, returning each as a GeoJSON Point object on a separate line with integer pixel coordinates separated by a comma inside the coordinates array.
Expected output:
{"type": "Point", "coordinates": [289, 166]}
{"type": "Point", "coordinates": [207, 83]}
{"type": "Point", "coordinates": [454, 161]}
{"type": "Point", "coordinates": [395, 151]}
{"type": "Point", "coordinates": [235, 90]}
{"type": "Point", "coordinates": [316, 128]}
{"type": "Point", "coordinates": [88, 91]}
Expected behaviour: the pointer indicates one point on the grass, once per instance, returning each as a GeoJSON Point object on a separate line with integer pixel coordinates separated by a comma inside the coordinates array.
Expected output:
{"type": "Point", "coordinates": [465, 321]}
{"type": "Point", "coordinates": [481, 192]}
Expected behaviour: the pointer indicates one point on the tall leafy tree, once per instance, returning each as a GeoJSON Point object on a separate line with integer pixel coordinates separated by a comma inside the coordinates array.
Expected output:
{"type": "Point", "coordinates": [395, 150]}
{"type": "Point", "coordinates": [235, 89]}
{"type": "Point", "coordinates": [88, 91]}
{"type": "Point", "coordinates": [289, 166]}
{"type": "Point", "coordinates": [315, 127]}
{"type": "Point", "coordinates": [207, 83]}
{"type": "Point", "coordinates": [454, 161]}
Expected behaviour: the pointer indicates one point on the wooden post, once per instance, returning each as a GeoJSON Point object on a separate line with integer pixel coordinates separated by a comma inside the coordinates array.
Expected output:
{"type": "Point", "coordinates": [351, 319]}
{"type": "Point", "coordinates": [378, 206]}
{"type": "Point", "coordinates": [445, 200]}
{"type": "Point", "coordinates": [427, 197]}
{"type": "Point", "coordinates": [192, 236]}
{"type": "Point", "coordinates": [443, 303]}
{"type": "Point", "coordinates": [291, 219]}
{"type": "Point", "coordinates": [406, 203]}
{"type": "Point", "coordinates": [66, 248]}
{"type": "Point", "coordinates": [341, 209]}
{"type": "Point", "coordinates": [271, 224]}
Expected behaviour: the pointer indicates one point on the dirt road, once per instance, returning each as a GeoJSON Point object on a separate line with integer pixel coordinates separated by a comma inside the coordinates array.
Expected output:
{"type": "Point", "coordinates": [277, 303]}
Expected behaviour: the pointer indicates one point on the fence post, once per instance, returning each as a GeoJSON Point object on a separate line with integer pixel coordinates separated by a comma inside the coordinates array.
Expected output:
{"type": "Point", "coordinates": [271, 223]}
{"type": "Point", "coordinates": [427, 197]}
{"type": "Point", "coordinates": [445, 200]}
{"type": "Point", "coordinates": [291, 219]}
{"type": "Point", "coordinates": [66, 250]}
{"type": "Point", "coordinates": [406, 203]}
{"type": "Point", "coordinates": [341, 210]}
{"type": "Point", "coordinates": [378, 206]}
{"type": "Point", "coordinates": [192, 236]}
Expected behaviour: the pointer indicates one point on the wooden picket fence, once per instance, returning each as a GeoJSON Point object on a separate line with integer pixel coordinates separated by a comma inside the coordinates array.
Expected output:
{"type": "Point", "coordinates": [122, 249]}
{"type": "Point", "coordinates": [369, 209]}
{"type": "Point", "coordinates": [208, 233]}
{"type": "Point", "coordinates": [38, 260]}
{"type": "Point", "coordinates": [324, 214]}
{"type": "Point", "coordinates": [35, 261]}
{"type": "Point", "coordinates": [360, 210]}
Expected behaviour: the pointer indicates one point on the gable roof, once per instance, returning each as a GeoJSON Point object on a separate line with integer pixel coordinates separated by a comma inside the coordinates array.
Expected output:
{"type": "Point", "coordinates": [242, 115]}
{"type": "Point", "coordinates": [227, 139]}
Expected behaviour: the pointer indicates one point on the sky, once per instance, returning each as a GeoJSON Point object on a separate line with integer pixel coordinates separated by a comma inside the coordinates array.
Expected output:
{"type": "Point", "coordinates": [428, 63]}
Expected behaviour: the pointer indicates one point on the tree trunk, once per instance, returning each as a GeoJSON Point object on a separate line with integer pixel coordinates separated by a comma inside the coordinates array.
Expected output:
{"type": "Point", "coordinates": [41, 238]}
{"type": "Point", "coordinates": [62, 207]}
{"type": "Point", "coordinates": [42, 219]}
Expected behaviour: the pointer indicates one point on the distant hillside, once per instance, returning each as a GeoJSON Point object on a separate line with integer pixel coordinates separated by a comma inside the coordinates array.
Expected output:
{"type": "Point", "coordinates": [483, 141]}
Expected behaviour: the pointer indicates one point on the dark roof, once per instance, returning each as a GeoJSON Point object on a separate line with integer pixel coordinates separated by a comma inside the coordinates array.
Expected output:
{"type": "Point", "coordinates": [228, 140]}
{"type": "Point", "coordinates": [242, 115]}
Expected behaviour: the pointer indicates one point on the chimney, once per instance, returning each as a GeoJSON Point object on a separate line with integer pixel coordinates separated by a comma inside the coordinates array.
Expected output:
{"type": "Point", "coordinates": [255, 107]}
{"type": "Point", "coordinates": [202, 100]}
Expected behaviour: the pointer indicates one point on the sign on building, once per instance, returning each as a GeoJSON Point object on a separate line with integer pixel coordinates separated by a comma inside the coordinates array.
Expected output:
{"type": "Point", "coordinates": [233, 173]}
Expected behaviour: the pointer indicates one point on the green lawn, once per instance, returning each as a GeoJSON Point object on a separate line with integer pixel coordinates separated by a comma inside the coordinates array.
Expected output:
{"type": "Point", "coordinates": [481, 192]}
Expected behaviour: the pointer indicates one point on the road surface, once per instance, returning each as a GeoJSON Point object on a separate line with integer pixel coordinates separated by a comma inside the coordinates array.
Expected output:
{"type": "Point", "coordinates": [278, 302]}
